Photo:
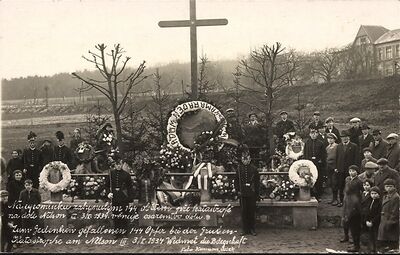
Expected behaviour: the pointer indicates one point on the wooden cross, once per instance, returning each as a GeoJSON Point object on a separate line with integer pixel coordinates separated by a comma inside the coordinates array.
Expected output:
{"type": "Point", "coordinates": [193, 23]}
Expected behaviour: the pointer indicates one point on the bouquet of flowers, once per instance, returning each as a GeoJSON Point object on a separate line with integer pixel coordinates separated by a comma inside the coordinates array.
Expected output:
{"type": "Point", "coordinates": [223, 187]}
{"type": "Point", "coordinates": [284, 190]}
{"type": "Point", "coordinates": [108, 138]}
{"type": "Point", "coordinates": [73, 189]}
{"type": "Point", "coordinates": [175, 159]}
{"type": "Point", "coordinates": [93, 187]}
{"type": "Point", "coordinates": [84, 152]}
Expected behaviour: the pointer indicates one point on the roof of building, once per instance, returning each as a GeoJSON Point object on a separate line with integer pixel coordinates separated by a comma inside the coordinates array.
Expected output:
{"type": "Point", "coordinates": [393, 35]}
{"type": "Point", "coordinates": [373, 32]}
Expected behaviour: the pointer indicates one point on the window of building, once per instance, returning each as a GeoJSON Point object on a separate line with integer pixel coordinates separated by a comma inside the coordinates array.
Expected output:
{"type": "Point", "coordinates": [363, 40]}
{"type": "Point", "coordinates": [380, 54]}
{"type": "Point", "coordinates": [397, 53]}
{"type": "Point", "coordinates": [389, 52]}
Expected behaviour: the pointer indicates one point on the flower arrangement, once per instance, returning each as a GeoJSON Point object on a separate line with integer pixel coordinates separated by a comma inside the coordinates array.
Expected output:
{"type": "Point", "coordinates": [94, 187]}
{"type": "Point", "coordinates": [303, 173]}
{"type": "Point", "coordinates": [84, 152]}
{"type": "Point", "coordinates": [108, 138]}
{"type": "Point", "coordinates": [280, 159]}
{"type": "Point", "coordinates": [73, 189]}
{"type": "Point", "coordinates": [222, 187]}
{"type": "Point", "coordinates": [55, 187]}
{"type": "Point", "coordinates": [175, 159]}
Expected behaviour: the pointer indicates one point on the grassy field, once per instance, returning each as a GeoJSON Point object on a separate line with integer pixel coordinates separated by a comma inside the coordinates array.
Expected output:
{"type": "Point", "coordinates": [374, 101]}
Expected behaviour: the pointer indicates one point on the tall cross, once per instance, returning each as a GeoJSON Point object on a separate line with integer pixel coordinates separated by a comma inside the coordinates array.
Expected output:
{"type": "Point", "coordinates": [193, 23]}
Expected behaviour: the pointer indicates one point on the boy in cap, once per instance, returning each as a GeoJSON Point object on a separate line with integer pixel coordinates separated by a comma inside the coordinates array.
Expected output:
{"type": "Point", "coordinates": [367, 153]}
{"type": "Point", "coordinates": [365, 140]}
{"type": "Point", "coordinates": [393, 153]}
{"type": "Point", "coordinates": [61, 151]}
{"type": "Point", "coordinates": [388, 233]}
{"type": "Point", "coordinates": [385, 172]}
{"type": "Point", "coordinates": [6, 224]}
{"type": "Point", "coordinates": [331, 150]}
{"type": "Point", "coordinates": [347, 155]}
{"type": "Point", "coordinates": [316, 122]}
{"type": "Point", "coordinates": [373, 218]}
{"type": "Point", "coordinates": [29, 197]}
{"type": "Point", "coordinates": [330, 128]}
{"type": "Point", "coordinates": [352, 208]}
{"type": "Point", "coordinates": [247, 182]}
{"type": "Point", "coordinates": [379, 147]}
{"type": "Point", "coordinates": [355, 130]}
{"type": "Point", "coordinates": [369, 171]}
{"type": "Point", "coordinates": [33, 160]}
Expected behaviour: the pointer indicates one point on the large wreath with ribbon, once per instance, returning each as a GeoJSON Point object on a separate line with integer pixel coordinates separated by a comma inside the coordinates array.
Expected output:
{"type": "Point", "coordinates": [303, 173]}
{"type": "Point", "coordinates": [84, 152]}
{"type": "Point", "coordinates": [55, 187]}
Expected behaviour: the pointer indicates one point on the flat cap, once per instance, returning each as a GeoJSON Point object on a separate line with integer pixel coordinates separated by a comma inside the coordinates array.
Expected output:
{"type": "Point", "coordinates": [252, 113]}
{"type": "Point", "coordinates": [3, 193]}
{"type": "Point", "coordinates": [344, 133]}
{"type": "Point", "coordinates": [376, 132]}
{"type": "Point", "coordinates": [354, 167]}
{"type": "Point", "coordinates": [382, 161]}
{"type": "Point", "coordinates": [367, 149]}
{"type": "Point", "coordinates": [370, 165]}
{"type": "Point", "coordinates": [317, 113]}
{"type": "Point", "coordinates": [329, 119]}
{"type": "Point", "coordinates": [364, 126]}
{"type": "Point", "coordinates": [392, 136]}
{"type": "Point", "coordinates": [331, 135]}
{"type": "Point", "coordinates": [283, 112]}
{"type": "Point", "coordinates": [355, 120]}
{"type": "Point", "coordinates": [229, 110]}
{"type": "Point", "coordinates": [376, 189]}
{"type": "Point", "coordinates": [389, 182]}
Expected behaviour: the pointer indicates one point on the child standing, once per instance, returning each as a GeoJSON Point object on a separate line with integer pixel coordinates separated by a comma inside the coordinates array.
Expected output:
{"type": "Point", "coordinates": [352, 207]}
{"type": "Point", "coordinates": [373, 218]}
{"type": "Point", "coordinates": [388, 233]}
{"type": "Point", "coordinates": [29, 197]}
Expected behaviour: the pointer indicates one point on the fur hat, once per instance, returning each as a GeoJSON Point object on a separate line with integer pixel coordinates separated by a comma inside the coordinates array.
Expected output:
{"type": "Point", "coordinates": [32, 136]}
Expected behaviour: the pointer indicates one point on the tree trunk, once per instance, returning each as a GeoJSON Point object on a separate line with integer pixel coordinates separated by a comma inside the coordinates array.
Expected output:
{"type": "Point", "coordinates": [118, 127]}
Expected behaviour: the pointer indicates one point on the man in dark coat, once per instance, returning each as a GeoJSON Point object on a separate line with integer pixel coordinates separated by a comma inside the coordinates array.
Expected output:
{"type": "Point", "coordinates": [233, 127]}
{"type": "Point", "coordinates": [121, 194]}
{"type": "Point", "coordinates": [373, 218]}
{"type": "Point", "coordinates": [347, 154]}
{"type": "Point", "coordinates": [61, 151]}
{"type": "Point", "coordinates": [388, 233]}
{"type": "Point", "coordinates": [330, 128]}
{"type": "Point", "coordinates": [15, 163]}
{"type": "Point", "coordinates": [29, 197]}
{"type": "Point", "coordinates": [393, 154]}
{"type": "Point", "coordinates": [33, 160]}
{"type": "Point", "coordinates": [366, 139]}
{"type": "Point", "coordinates": [385, 172]}
{"type": "Point", "coordinates": [315, 151]}
{"type": "Point", "coordinates": [247, 181]}
{"type": "Point", "coordinates": [282, 127]}
{"type": "Point", "coordinates": [355, 131]}
{"type": "Point", "coordinates": [254, 136]}
{"type": "Point", "coordinates": [380, 146]}
{"type": "Point", "coordinates": [316, 122]}
{"type": "Point", "coordinates": [6, 224]}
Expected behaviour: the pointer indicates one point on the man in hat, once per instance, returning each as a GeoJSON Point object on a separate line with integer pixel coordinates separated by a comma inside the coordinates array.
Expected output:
{"type": "Point", "coordinates": [6, 224]}
{"type": "Point", "coordinates": [389, 229]}
{"type": "Point", "coordinates": [247, 182]}
{"type": "Point", "coordinates": [61, 151]}
{"type": "Point", "coordinates": [315, 151]}
{"type": "Point", "coordinates": [367, 154]}
{"type": "Point", "coordinates": [33, 160]}
{"type": "Point", "coordinates": [316, 122]}
{"type": "Point", "coordinates": [330, 128]}
{"type": "Point", "coordinates": [322, 134]}
{"type": "Point", "coordinates": [282, 127]}
{"type": "Point", "coordinates": [331, 151]}
{"type": "Point", "coordinates": [233, 127]}
{"type": "Point", "coordinates": [393, 153]}
{"type": "Point", "coordinates": [385, 172]}
{"type": "Point", "coordinates": [365, 140]}
{"type": "Point", "coordinates": [355, 130]}
{"type": "Point", "coordinates": [255, 136]}
{"type": "Point", "coordinates": [121, 194]}
{"type": "Point", "coordinates": [379, 146]}
{"type": "Point", "coordinates": [347, 154]}
{"type": "Point", "coordinates": [369, 172]}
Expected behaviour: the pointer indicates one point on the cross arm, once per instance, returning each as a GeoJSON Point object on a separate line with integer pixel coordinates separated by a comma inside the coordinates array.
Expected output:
{"type": "Point", "coordinates": [188, 23]}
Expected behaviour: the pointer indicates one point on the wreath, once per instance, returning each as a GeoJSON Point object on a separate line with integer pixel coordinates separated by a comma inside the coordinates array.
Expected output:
{"type": "Point", "coordinates": [188, 107]}
{"type": "Point", "coordinates": [303, 173]}
{"type": "Point", "coordinates": [55, 187]}
{"type": "Point", "coordinates": [84, 152]}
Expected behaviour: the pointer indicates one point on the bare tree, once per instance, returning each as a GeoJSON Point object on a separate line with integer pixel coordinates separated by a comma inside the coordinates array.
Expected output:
{"type": "Point", "coordinates": [326, 64]}
{"type": "Point", "coordinates": [269, 68]}
{"type": "Point", "coordinates": [205, 85]}
{"type": "Point", "coordinates": [115, 88]}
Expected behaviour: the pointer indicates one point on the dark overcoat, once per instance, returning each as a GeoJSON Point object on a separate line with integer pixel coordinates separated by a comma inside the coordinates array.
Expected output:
{"type": "Point", "coordinates": [393, 156]}
{"type": "Point", "coordinates": [389, 225]}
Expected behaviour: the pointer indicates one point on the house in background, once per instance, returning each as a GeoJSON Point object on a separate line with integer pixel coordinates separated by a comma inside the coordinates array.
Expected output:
{"type": "Point", "coordinates": [387, 49]}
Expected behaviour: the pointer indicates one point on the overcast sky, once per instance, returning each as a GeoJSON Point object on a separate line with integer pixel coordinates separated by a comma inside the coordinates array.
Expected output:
{"type": "Point", "coordinates": [44, 37]}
